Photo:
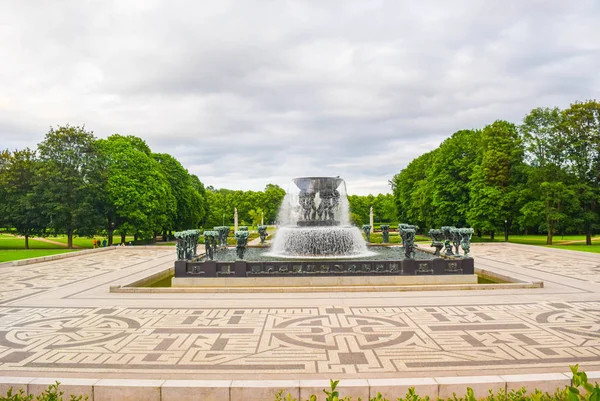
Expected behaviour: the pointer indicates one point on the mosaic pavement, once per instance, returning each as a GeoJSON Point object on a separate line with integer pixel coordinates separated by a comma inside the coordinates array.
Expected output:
{"type": "Point", "coordinates": [59, 317]}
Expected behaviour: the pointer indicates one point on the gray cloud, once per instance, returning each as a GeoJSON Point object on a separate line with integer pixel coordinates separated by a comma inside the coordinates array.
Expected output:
{"type": "Point", "coordinates": [247, 93]}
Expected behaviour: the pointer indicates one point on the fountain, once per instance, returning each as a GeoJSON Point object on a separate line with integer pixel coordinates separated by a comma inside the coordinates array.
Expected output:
{"type": "Point", "coordinates": [315, 239]}
{"type": "Point", "coordinates": [315, 222]}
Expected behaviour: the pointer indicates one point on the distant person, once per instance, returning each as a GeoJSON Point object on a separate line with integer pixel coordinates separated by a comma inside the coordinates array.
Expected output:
{"type": "Point", "coordinates": [104, 243]}
{"type": "Point", "coordinates": [94, 243]}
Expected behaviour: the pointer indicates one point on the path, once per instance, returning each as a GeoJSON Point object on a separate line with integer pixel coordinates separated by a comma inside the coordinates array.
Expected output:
{"type": "Point", "coordinates": [59, 318]}
{"type": "Point", "coordinates": [49, 241]}
{"type": "Point", "coordinates": [256, 241]}
{"type": "Point", "coordinates": [569, 242]}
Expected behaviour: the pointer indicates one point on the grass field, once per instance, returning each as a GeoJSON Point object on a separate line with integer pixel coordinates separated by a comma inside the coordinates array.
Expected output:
{"type": "Point", "coordinates": [541, 239]}
{"type": "Point", "coordinates": [594, 248]}
{"type": "Point", "coordinates": [19, 243]}
{"type": "Point", "coordinates": [571, 242]}
{"type": "Point", "coordinates": [232, 241]}
{"type": "Point", "coordinates": [395, 238]}
{"type": "Point", "coordinates": [7, 255]}
{"type": "Point", "coordinates": [9, 241]}
{"type": "Point", "coordinates": [84, 242]}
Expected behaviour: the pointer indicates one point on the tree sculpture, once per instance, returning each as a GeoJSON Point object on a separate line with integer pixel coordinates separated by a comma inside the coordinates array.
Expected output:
{"type": "Point", "coordinates": [223, 234]}
{"type": "Point", "coordinates": [262, 232]}
{"type": "Point", "coordinates": [210, 243]}
{"type": "Point", "coordinates": [408, 241]}
{"type": "Point", "coordinates": [367, 230]}
{"type": "Point", "coordinates": [465, 243]}
{"type": "Point", "coordinates": [242, 241]}
{"type": "Point", "coordinates": [437, 237]}
{"type": "Point", "coordinates": [455, 239]}
{"type": "Point", "coordinates": [385, 233]}
{"type": "Point", "coordinates": [402, 227]}
{"type": "Point", "coordinates": [448, 247]}
{"type": "Point", "coordinates": [187, 244]}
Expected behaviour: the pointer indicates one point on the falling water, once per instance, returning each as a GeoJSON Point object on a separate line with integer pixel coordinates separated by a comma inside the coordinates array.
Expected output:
{"type": "Point", "coordinates": [304, 232]}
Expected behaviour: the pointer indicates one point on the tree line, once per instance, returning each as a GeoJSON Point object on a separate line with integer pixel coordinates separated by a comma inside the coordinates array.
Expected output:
{"type": "Point", "coordinates": [542, 176]}
{"type": "Point", "coordinates": [253, 207]}
{"type": "Point", "coordinates": [384, 209]}
{"type": "Point", "coordinates": [77, 184]}
{"type": "Point", "coordinates": [74, 183]}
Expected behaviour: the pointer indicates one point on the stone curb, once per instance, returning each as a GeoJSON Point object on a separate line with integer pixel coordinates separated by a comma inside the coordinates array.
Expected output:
{"type": "Point", "coordinates": [512, 283]}
{"type": "Point", "coordinates": [355, 288]}
{"type": "Point", "coordinates": [238, 390]}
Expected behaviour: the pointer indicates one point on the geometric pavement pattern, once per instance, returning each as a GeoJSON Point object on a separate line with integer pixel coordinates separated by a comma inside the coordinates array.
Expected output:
{"type": "Point", "coordinates": [332, 338]}
{"type": "Point", "coordinates": [20, 281]}
{"type": "Point", "coordinates": [300, 340]}
{"type": "Point", "coordinates": [578, 265]}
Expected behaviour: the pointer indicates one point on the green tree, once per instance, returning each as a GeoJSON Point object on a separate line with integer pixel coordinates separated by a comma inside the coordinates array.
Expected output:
{"type": "Point", "coordinates": [66, 196]}
{"type": "Point", "coordinates": [496, 175]}
{"type": "Point", "coordinates": [359, 208]}
{"type": "Point", "coordinates": [581, 123]}
{"type": "Point", "coordinates": [199, 187]}
{"type": "Point", "coordinates": [384, 208]}
{"type": "Point", "coordinates": [356, 219]}
{"type": "Point", "coordinates": [543, 138]}
{"type": "Point", "coordinates": [218, 211]}
{"type": "Point", "coordinates": [449, 175]}
{"type": "Point", "coordinates": [20, 206]}
{"type": "Point", "coordinates": [272, 198]}
{"type": "Point", "coordinates": [5, 156]}
{"type": "Point", "coordinates": [138, 197]}
{"type": "Point", "coordinates": [412, 196]}
{"type": "Point", "coordinates": [190, 204]}
{"type": "Point", "coordinates": [222, 203]}
{"type": "Point", "coordinates": [555, 205]}
{"type": "Point", "coordinates": [547, 154]}
{"type": "Point", "coordinates": [256, 216]}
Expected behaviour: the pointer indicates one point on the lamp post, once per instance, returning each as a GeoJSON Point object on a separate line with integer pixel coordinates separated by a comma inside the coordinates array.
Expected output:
{"type": "Point", "coordinates": [223, 219]}
{"type": "Point", "coordinates": [505, 230]}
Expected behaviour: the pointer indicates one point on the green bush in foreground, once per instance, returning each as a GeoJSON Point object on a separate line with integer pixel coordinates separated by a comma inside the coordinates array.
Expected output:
{"type": "Point", "coordinates": [50, 394]}
{"type": "Point", "coordinates": [580, 390]}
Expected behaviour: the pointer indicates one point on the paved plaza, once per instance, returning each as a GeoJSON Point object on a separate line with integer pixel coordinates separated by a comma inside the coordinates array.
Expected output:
{"type": "Point", "coordinates": [58, 318]}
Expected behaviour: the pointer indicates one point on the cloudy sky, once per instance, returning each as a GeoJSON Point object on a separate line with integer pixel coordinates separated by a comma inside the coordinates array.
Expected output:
{"type": "Point", "coordinates": [245, 93]}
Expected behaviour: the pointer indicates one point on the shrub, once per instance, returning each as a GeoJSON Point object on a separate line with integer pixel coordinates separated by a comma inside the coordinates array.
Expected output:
{"type": "Point", "coordinates": [580, 390]}
{"type": "Point", "coordinates": [50, 394]}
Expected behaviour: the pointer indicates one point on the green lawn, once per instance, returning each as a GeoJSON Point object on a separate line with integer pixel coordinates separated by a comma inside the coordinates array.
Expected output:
{"type": "Point", "coordinates": [18, 254]}
{"type": "Point", "coordinates": [85, 242]}
{"type": "Point", "coordinates": [559, 241]}
{"type": "Point", "coordinates": [395, 238]}
{"type": "Point", "coordinates": [9, 241]}
{"type": "Point", "coordinates": [232, 241]}
{"type": "Point", "coordinates": [594, 248]}
{"type": "Point", "coordinates": [12, 242]}
{"type": "Point", "coordinates": [535, 239]}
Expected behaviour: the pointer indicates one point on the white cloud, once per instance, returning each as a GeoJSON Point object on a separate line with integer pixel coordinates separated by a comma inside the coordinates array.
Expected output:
{"type": "Point", "coordinates": [247, 93]}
